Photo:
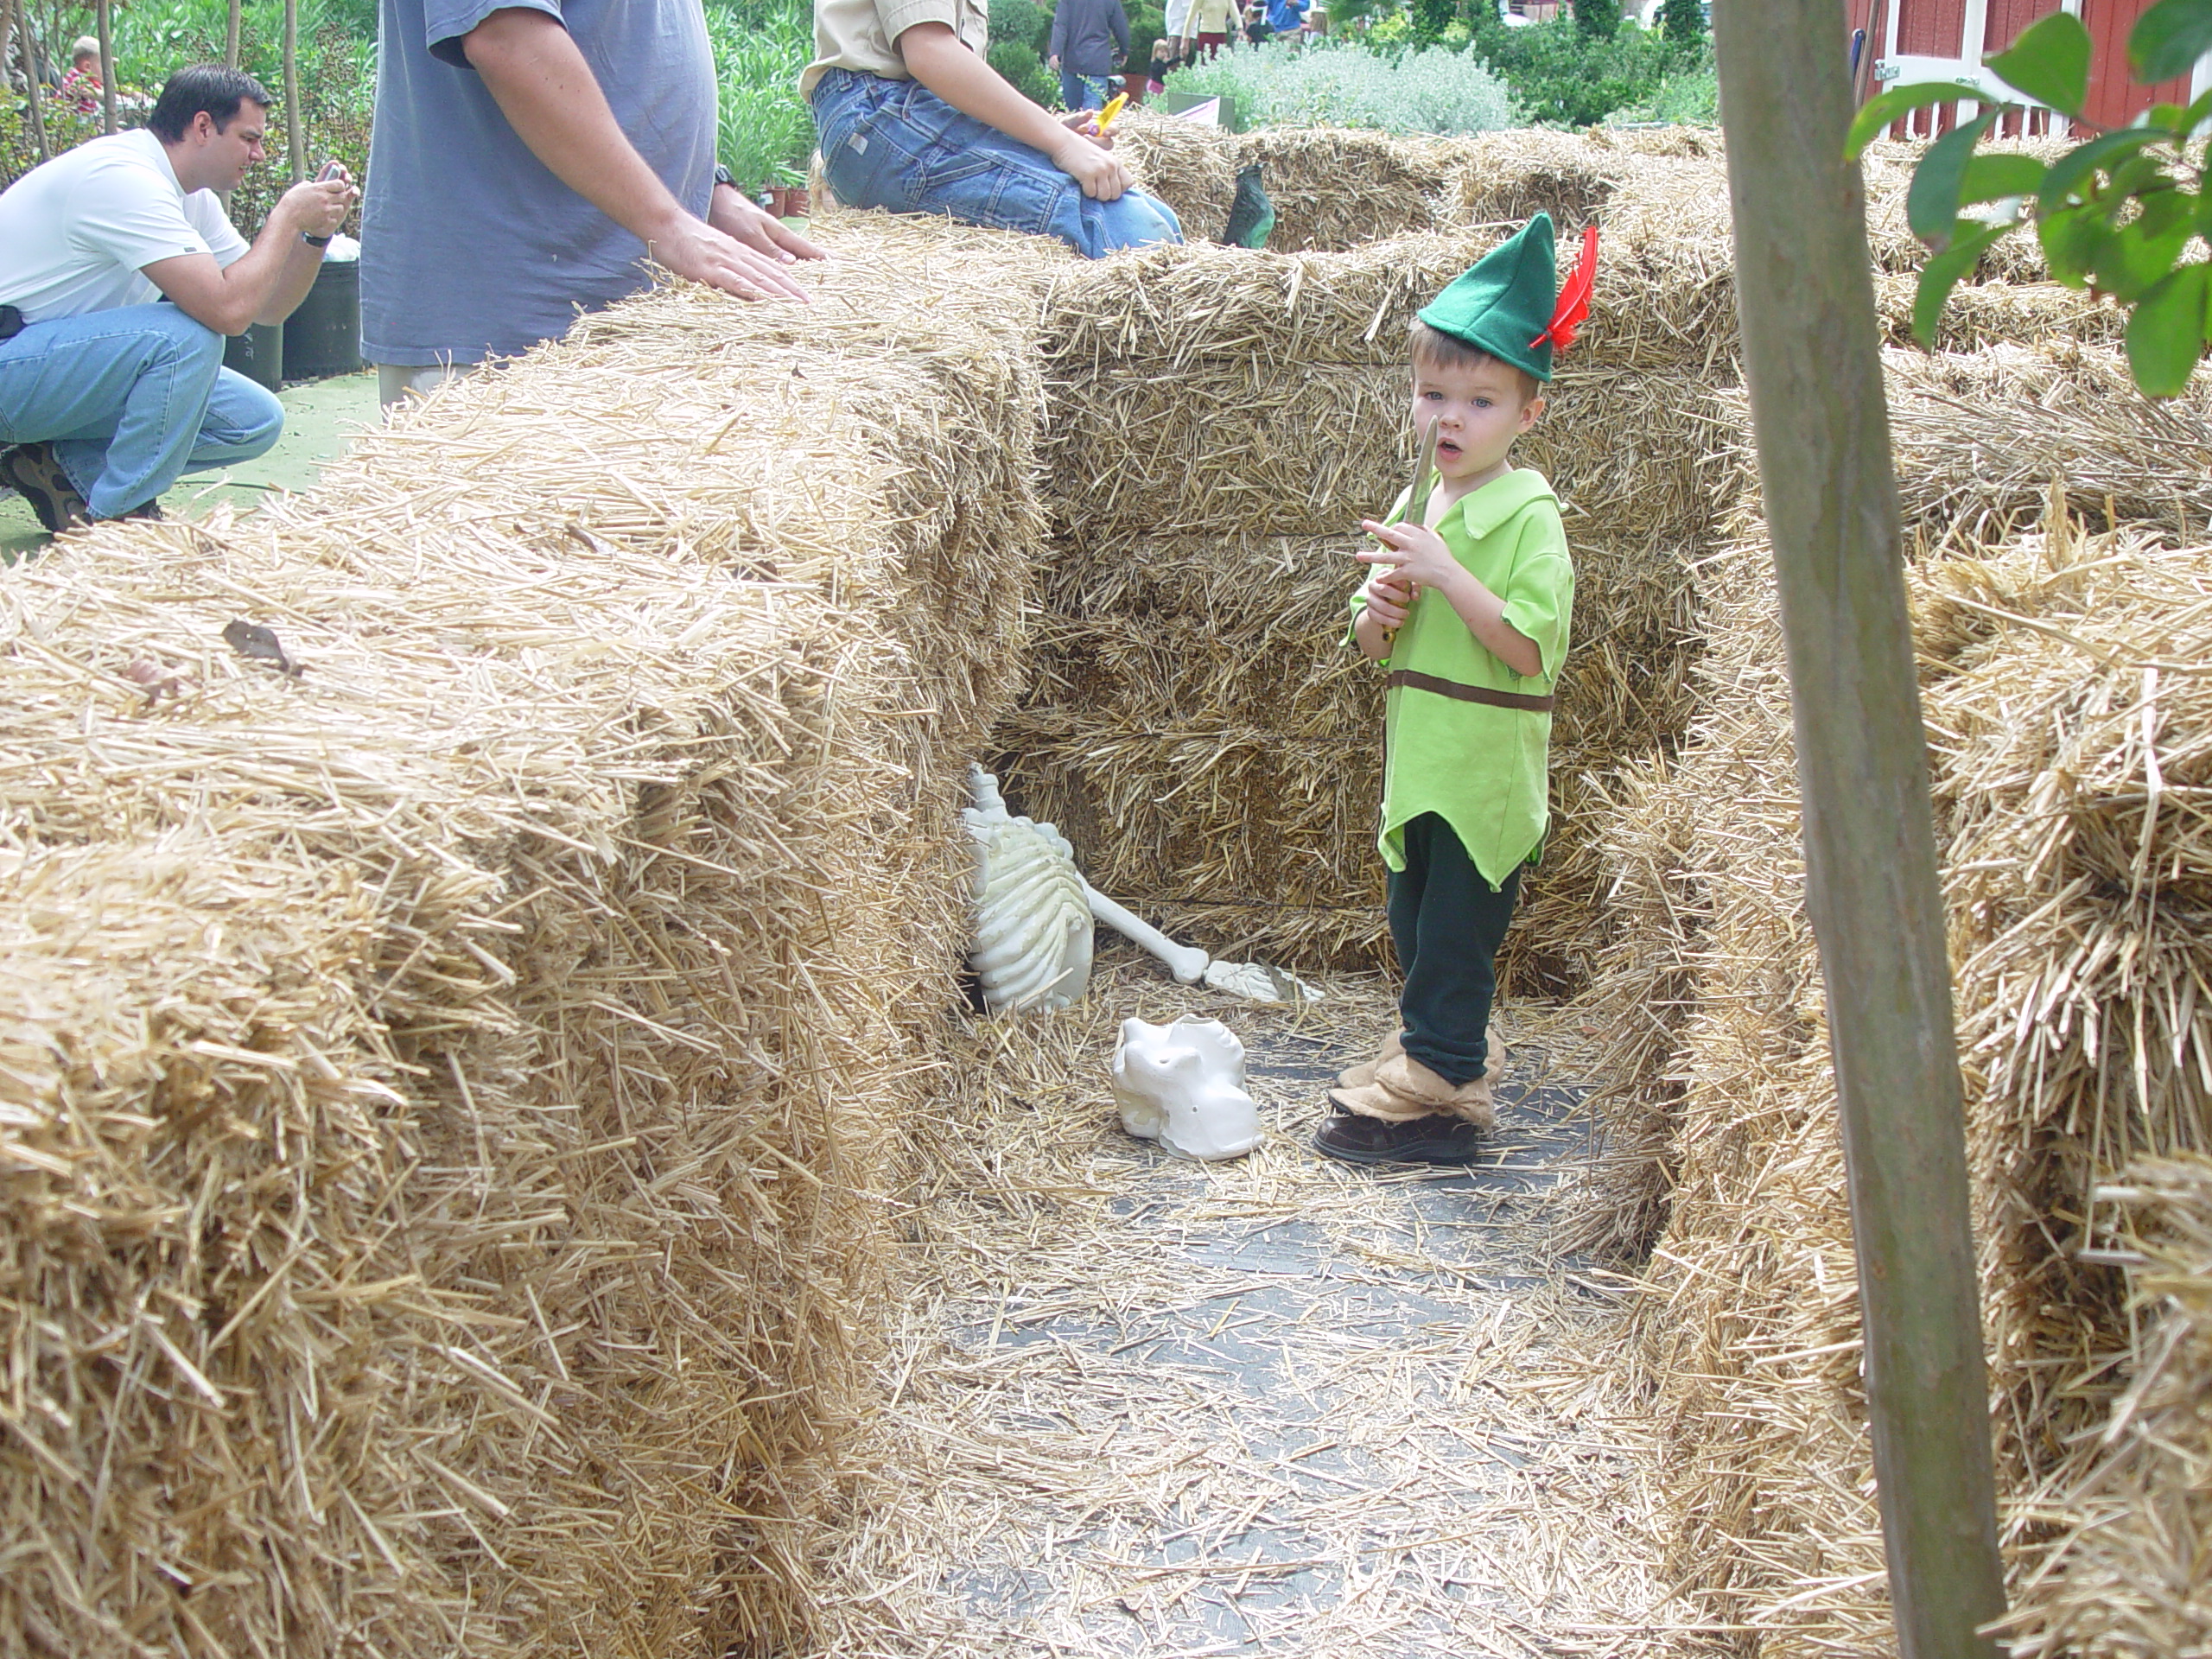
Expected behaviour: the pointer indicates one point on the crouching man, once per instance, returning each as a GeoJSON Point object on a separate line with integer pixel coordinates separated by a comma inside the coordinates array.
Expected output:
{"type": "Point", "coordinates": [119, 275]}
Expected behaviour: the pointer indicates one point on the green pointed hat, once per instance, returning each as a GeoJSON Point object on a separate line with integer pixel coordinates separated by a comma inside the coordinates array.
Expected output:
{"type": "Point", "coordinates": [1504, 304]}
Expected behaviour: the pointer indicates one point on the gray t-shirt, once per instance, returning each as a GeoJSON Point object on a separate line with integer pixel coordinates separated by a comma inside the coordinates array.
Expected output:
{"type": "Point", "coordinates": [470, 247]}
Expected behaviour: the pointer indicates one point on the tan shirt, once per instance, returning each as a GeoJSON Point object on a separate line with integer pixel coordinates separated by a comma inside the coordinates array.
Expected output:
{"type": "Point", "coordinates": [863, 34]}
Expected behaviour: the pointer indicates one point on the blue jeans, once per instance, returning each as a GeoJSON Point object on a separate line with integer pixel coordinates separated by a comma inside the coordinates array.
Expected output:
{"type": "Point", "coordinates": [898, 145]}
{"type": "Point", "coordinates": [1084, 92]}
{"type": "Point", "coordinates": [130, 398]}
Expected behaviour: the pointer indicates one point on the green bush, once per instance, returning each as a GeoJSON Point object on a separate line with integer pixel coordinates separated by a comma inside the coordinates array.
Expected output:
{"type": "Point", "coordinates": [1689, 100]}
{"type": "Point", "coordinates": [337, 92]}
{"type": "Point", "coordinates": [1281, 83]}
{"type": "Point", "coordinates": [1026, 72]}
{"type": "Point", "coordinates": [1024, 23]}
{"type": "Point", "coordinates": [765, 132]}
{"type": "Point", "coordinates": [1681, 23]}
{"type": "Point", "coordinates": [1563, 77]}
{"type": "Point", "coordinates": [1147, 27]}
{"type": "Point", "coordinates": [1598, 20]}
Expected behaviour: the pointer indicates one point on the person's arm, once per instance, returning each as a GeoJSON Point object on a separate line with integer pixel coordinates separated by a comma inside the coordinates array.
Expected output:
{"type": "Point", "coordinates": [538, 76]}
{"type": "Point", "coordinates": [1419, 556]}
{"type": "Point", "coordinates": [263, 283]}
{"type": "Point", "coordinates": [938, 58]}
{"type": "Point", "coordinates": [1383, 614]}
{"type": "Point", "coordinates": [1118, 21]}
{"type": "Point", "coordinates": [1059, 43]}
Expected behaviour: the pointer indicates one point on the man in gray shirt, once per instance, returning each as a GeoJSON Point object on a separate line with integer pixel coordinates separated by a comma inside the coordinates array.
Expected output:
{"type": "Point", "coordinates": [1091, 41]}
{"type": "Point", "coordinates": [527, 154]}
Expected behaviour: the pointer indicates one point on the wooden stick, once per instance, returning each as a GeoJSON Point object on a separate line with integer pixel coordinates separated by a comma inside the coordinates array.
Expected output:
{"type": "Point", "coordinates": [1811, 355]}
{"type": "Point", "coordinates": [31, 80]}
{"type": "Point", "coordinates": [233, 27]}
{"type": "Point", "coordinates": [100, 13]}
{"type": "Point", "coordinates": [296, 132]}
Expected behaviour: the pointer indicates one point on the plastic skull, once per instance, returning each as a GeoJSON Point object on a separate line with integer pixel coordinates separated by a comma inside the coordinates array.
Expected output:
{"type": "Point", "coordinates": [1183, 1085]}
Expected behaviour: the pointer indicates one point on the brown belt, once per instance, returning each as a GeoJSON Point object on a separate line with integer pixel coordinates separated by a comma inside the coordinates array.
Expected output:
{"type": "Point", "coordinates": [1470, 693]}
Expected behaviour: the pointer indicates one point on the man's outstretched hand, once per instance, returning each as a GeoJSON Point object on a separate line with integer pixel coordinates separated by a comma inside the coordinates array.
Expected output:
{"type": "Point", "coordinates": [749, 222]}
{"type": "Point", "coordinates": [693, 248]}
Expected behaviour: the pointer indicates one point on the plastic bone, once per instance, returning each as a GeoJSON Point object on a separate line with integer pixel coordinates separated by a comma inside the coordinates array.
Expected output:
{"type": "Point", "coordinates": [1183, 1085]}
{"type": "Point", "coordinates": [1032, 916]}
{"type": "Point", "coordinates": [1033, 951]}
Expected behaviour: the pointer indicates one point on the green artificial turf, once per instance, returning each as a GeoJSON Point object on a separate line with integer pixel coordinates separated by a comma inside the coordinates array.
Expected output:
{"type": "Point", "coordinates": [321, 418]}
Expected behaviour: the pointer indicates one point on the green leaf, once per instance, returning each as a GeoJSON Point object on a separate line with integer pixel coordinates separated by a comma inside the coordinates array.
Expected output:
{"type": "Point", "coordinates": [1878, 112]}
{"type": "Point", "coordinates": [2050, 61]}
{"type": "Point", "coordinates": [2076, 164]}
{"type": "Point", "coordinates": [1931, 205]}
{"type": "Point", "coordinates": [2070, 243]}
{"type": "Point", "coordinates": [2168, 38]}
{"type": "Point", "coordinates": [2131, 260]}
{"type": "Point", "coordinates": [1941, 275]}
{"type": "Point", "coordinates": [2165, 336]}
{"type": "Point", "coordinates": [1995, 178]}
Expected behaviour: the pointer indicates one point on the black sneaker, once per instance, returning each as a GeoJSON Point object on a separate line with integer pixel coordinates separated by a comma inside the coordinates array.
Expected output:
{"type": "Point", "coordinates": [144, 510]}
{"type": "Point", "coordinates": [1352, 1139]}
{"type": "Point", "coordinates": [32, 471]}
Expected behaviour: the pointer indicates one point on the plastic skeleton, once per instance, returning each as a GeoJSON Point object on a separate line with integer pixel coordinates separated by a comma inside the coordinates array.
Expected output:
{"type": "Point", "coordinates": [1034, 916]}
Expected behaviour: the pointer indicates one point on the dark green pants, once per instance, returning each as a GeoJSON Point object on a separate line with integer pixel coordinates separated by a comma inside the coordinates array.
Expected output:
{"type": "Point", "coordinates": [1447, 926]}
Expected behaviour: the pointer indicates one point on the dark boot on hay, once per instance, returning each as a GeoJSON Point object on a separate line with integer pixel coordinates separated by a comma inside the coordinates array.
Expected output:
{"type": "Point", "coordinates": [1351, 1139]}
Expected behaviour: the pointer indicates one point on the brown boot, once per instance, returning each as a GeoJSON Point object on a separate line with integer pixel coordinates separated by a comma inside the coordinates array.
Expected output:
{"type": "Point", "coordinates": [1404, 1089]}
{"type": "Point", "coordinates": [1362, 1075]}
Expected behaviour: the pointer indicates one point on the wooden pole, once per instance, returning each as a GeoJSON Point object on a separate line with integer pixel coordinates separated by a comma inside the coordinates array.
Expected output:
{"type": "Point", "coordinates": [1811, 355]}
{"type": "Point", "coordinates": [30, 79]}
{"type": "Point", "coordinates": [233, 27]}
{"type": "Point", "coordinates": [107, 66]}
{"type": "Point", "coordinates": [295, 137]}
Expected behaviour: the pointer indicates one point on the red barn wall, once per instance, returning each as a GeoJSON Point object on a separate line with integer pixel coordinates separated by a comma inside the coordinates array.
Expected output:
{"type": "Point", "coordinates": [1938, 29]}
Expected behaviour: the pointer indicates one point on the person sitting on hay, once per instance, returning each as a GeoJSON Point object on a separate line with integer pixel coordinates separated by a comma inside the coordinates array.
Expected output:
{"type": "Point", "coordinates": [1469, 614]}
{"type": "Point", "coordinates": [911, 118]}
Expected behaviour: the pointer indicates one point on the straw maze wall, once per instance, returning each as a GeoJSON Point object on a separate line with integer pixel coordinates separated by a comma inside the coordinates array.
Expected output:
{"type": "Point", "coordinates": [1197, 728]}
{"type": "Point", "coordinates": [1221, 425]}
{"type": "Point", "coordinates": [448, 1093]}
{"type": "Point", "coordinates": [444, 1092]}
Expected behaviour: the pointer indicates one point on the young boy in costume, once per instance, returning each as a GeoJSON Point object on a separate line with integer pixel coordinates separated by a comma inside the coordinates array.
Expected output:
{"type": "Point", "coordinates": [911, 118]}
{"type": "Point", "coordinates": [1468, 611]}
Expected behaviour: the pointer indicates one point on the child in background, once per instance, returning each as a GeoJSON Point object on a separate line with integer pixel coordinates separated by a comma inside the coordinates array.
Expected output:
{"type": "Point", "coordinates": [913, 120]}
{"type": "Point", "coordinates": [81, 88]}
{"type": "Point", "coordinates": [1468, 612]}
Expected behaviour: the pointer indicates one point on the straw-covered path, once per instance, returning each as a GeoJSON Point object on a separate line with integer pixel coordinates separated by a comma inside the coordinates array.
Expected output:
{"type": "Point", "coordinates": [1146, 1407]}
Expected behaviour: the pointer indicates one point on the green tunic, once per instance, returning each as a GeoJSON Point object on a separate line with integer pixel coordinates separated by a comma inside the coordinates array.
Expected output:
{"type": "Point", "coordinates": [1465, 737]}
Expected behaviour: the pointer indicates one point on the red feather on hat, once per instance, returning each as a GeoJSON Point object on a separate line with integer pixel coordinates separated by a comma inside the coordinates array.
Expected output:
{"type": "Point", "coordinates": [1573, 297]}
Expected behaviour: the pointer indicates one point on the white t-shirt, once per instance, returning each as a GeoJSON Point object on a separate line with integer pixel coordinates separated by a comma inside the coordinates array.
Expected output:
{"type": "Point", "coordinates": [76, 232]}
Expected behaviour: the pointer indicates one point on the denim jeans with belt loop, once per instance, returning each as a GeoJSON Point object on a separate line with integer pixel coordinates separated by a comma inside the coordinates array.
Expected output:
{"type": "Point", "coordinates": [130, 398]}
{"type": "Point", "coordinates": [896, 144]}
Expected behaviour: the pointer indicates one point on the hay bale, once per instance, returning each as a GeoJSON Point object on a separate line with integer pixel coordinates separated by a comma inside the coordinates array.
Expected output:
{"type": "Point", "coordinates": [2081, 1049]}
{"type": "Point", "coordinates": [446, 1172]}
{"type": "Point", "coordinates": [1336, 188]}
{"type": "Point", "coordinates": [2128, 1577]}
{"type": "Point", "coordinates": [1980, 315]}
{"type": "Point", "coordinates": [1291, 450]}
{"type": "Point", "coordinates": [1503, 178]}
{"type": "Point", "coordinates": [1190, 167]}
